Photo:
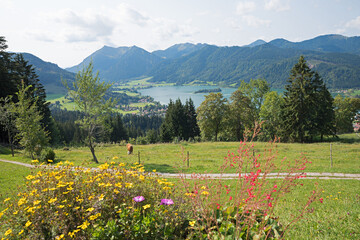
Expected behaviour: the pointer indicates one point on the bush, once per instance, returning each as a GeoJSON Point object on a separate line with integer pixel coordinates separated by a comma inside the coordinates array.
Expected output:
{"type": "Point", "coordinates": [47, 154]}
{"type": "Point", "coordinates": [112, 202]}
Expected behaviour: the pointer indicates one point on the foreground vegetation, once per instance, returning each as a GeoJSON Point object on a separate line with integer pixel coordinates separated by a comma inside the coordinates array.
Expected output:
{"type": "Point", "coordinates": [331, 216]}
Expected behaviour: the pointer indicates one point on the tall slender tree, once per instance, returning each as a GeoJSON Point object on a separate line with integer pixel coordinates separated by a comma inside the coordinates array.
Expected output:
{"type": "Point", "coordinates": [88, 92]}
{"type": "Point", "coordinates": [32, 135]}
{"type": "Point", "coordinates": [192, 129]}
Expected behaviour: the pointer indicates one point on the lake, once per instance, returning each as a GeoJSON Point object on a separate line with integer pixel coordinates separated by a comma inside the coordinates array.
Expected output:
{"type": "Point", "coordinates": [164, 94]}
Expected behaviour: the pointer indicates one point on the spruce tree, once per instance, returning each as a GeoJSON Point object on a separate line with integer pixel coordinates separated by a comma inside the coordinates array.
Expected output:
{"type": "Point", "coordinates": [192, 129]}
{"type": "Point", "coordinates": [307, 109]}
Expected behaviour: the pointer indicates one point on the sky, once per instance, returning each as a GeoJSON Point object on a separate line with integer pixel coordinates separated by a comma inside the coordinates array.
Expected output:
{"type": "Point", "coordinates": [67, 31]}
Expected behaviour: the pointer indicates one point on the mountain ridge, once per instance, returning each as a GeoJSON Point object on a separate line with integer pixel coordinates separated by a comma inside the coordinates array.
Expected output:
{"type": "Point", "coordinates": [336, 57]}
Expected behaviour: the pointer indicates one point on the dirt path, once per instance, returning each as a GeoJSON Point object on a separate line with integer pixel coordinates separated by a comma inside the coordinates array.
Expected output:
{"type": "Point", "coordinates": [310, 175]}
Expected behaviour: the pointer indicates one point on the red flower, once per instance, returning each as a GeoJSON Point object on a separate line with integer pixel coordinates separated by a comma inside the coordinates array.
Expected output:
{"type": "Point", "coordinates": [321, 200]}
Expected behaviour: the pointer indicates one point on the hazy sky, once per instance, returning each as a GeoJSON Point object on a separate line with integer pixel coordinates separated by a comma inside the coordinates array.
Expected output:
{"type": "Point", "coordinates": [65, 32]}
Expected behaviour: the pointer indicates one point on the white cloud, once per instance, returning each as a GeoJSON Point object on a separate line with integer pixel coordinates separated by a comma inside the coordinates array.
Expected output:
{"type": "Point", "coordinates": [168, 29]}
{"type": "Point", "coordinates": [245, 7]}
{"type": "Point", "coordinates": [354, 23]}
{"type": "Point", "coordinates": [253, 21]}
{"type": "Point", "coordinates": [277, 5]}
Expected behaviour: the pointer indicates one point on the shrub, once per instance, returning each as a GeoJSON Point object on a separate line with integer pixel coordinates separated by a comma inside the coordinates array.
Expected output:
{"type": "Point", "coordinates": [47, 154]}
{"type": "Point", "coordinates": [95, 204]}
{"type": "Point", "coordinates": [244, 210]}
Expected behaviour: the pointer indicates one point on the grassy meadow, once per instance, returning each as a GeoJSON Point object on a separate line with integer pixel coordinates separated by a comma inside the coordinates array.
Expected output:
{"type": "Point", "coordinates": [338, 217]}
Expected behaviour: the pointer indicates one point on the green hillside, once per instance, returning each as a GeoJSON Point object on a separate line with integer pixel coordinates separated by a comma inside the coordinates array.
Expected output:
{"type": "Point", "coordinates": [229, 65]}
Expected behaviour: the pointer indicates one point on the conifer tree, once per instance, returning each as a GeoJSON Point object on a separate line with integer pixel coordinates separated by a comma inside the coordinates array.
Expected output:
{"type": "Point", "coordinates": [192, 129]}
{"type": "Point", "coordinates": [307, 109]}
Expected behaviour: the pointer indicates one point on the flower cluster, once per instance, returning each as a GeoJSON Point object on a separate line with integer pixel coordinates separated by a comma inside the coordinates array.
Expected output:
{"type": "Point", "coordinates": [80, 203]}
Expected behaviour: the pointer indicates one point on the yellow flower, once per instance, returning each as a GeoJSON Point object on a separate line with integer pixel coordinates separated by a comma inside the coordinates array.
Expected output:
{"type": "Point", "coordinates": [116, 157]}
{"type": "Point", "coordinates": [49, 160]}
{"type": "Point", "coordinates": [205, 193]}
{"type": "Point", "coordinates": [72, 234]}
{"type": "Point", "coordinates": [76, 208]}
{"type": "Point", "coordinates": [16, 212]}
{"type": "Point", "coordinates": [61, 206]}
{"type": "Point", "coordinates": [93, 217]}
{"type": "Point", "coordinates": [192, 223]}
{"type": "Point", "coordinates": [146, 206]}
{"type": "Point", "coordinates": [203, 187]}
{"type": "Point", "coordinates": [37, 202]}
{"type": "Point", "coordinates": [21, 232]}
{"type": "Point", "coordinates": [141, 177]}
{"type": "Point", "coordinates": [59, 237]}
{"type": "Point", "coordinates": [90, 209]}
{"type": "Point", "coordinates": [91, 197]}
{"type": "Point", "coordinates": [112, 163]}
{"type": "Point", "coordinates": [154, 170]}
{"type": "Point", "coordinates": [101, 197]}
{"type": "Point", "coordinates": [52, 200]}
{"type": "Point", "coordinates": [119, 211]}
{"type": "Point", "coordinates": [84, 225]}
{"type": "Point", "coordinates": [35, 161]}
{"type": "Point", "coordinates": [116, 191]}
{"type": "Point", "coordinates": [129, 185]}
{"type": "Point", "coordinates": [8, 232]}
{"type": "Point", "coordinates": [28, 223]}
{"type": "Point", "coordinates": [69, 188]}
{"type": "Point", "coordinates": [6, 199]}
{"type": "Point", "coordinates": [104, 166]}
{"type": "Point", "coordinates": [22, 201]}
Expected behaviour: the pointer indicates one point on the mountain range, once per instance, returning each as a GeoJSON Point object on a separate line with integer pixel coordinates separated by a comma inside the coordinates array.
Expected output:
{"type": "Point", "coordinates": [335, 57]}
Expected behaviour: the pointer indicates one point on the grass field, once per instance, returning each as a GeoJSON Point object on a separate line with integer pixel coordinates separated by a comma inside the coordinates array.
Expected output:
{"type": "Point", "coordinates": [208, 156]}
{"type": "Point", "coordinates": [338, 217]}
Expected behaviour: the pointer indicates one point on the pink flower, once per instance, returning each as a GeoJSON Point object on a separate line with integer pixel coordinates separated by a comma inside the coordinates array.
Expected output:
{"type": "Point", "coordinates": [321, 200]}
{"type": "Point", "coordinates": [138, 198]}
{"type": "Point", "coordinates": [166, 201]}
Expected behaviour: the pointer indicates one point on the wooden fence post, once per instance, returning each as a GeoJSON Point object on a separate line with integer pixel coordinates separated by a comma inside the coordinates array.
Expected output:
{"type": "Point", "coordinates": [331, 160]}
{"type": "Point", "coordinates": [188, 160]}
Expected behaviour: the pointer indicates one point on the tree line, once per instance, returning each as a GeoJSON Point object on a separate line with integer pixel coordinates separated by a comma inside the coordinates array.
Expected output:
{"type": "Point", "coordinates": [305, 112]}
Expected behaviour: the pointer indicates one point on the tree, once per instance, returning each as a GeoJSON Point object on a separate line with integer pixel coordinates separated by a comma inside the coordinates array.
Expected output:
{"type": "Point", "coordinates": [255, 90]}
{"type": "Point", "coordinates": [32, 135]}
{"type": "Point", "coordinates": [180, 121]}
{"type": "Point", "coordinates": [307, 109]}
{"type": "Point", "coordinates": [241, 115]}
{"type": "Point", "coordinates": [211, 115]}
{"type": "Point", "coordinates": [166, 128]}
{"type": "Point", "coordinates": [7, 119]}
{"type": "Point", "coordinates": [344, 114]}
{"type": "Point", "coordinates": [270, 113]}
{"type": "Point", "coordinates": [192, 129]}
{"type": "Point", "coordinates": [88, 94]}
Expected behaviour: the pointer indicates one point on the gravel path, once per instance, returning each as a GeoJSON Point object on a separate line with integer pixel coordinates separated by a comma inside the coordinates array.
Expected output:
{"type": "Point", "coordinates": [310, 175]}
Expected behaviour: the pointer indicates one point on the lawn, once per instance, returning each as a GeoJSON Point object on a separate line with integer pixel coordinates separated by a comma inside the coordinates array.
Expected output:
{"type": "Point", "coordinates": [208, 156]}
{"type": "Point", "coordinates": [12, 177]}
{"type": "Point", "coordinates": [338, 217]}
